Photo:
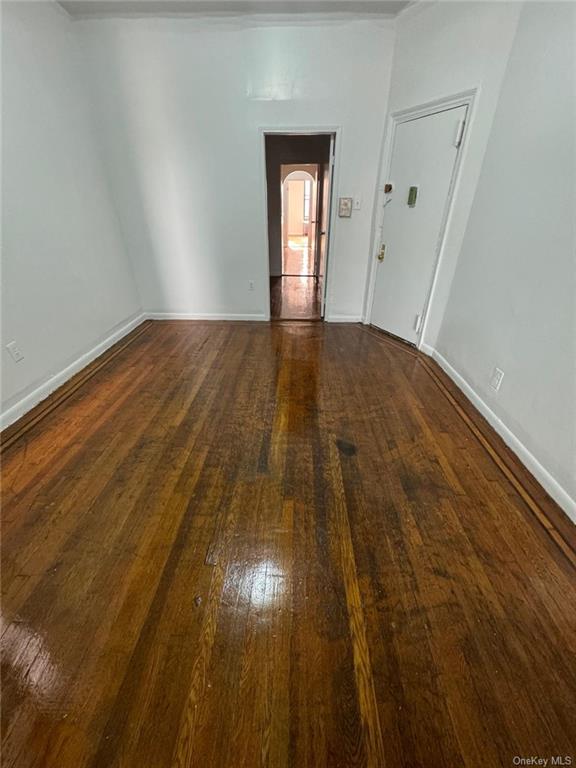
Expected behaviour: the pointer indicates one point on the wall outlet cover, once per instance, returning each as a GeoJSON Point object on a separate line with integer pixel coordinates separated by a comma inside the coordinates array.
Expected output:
{"type": "Point", "coordinates": [15, 351]}
{"type": "Point", "coordinates": [496, 379]}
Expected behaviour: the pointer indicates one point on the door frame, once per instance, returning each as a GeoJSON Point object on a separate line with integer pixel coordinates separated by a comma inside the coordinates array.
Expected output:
{"type": "Point", "coordinates": [443, 104]}
{"type": "Point", "coordinates": [300, 130]}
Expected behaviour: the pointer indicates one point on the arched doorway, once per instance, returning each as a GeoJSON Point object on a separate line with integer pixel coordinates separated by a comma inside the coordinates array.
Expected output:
{"type": "Point", "coordinates": [299, 198]}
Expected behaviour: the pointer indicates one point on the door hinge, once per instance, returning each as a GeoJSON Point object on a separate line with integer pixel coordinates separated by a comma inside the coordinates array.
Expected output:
{"type": "Point", "coordinates": [418, 323]}
{"type": "Point", "coordinates": [459, 133]}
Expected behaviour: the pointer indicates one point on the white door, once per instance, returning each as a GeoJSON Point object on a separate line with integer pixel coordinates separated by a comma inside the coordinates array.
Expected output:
{"type": "Point", "coordinates": [423, 157]}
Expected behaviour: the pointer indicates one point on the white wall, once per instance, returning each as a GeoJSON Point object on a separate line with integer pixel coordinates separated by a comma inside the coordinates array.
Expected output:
{"type": "Point", "coordinates": [67, 281]}
{"type": "Point", "coordinates": [180, 103]}
{"type": "Point", "coordinates": [443, 49]}
{"type": "Point", "coordinates": [512, 301]}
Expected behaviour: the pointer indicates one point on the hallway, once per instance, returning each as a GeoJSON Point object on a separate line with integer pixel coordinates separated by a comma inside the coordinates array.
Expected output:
{"type": "Point", "coordinates": [298, 179]}
{"type": "Point", "coordinates": [296, 294]}
{"type": "Point", "coordinates": [294, 298]}
{"type": "Point", "coordinates": [297, 258]}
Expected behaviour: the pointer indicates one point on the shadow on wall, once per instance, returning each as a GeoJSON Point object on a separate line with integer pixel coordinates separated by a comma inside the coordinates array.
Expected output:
{"type": "Point", "coordinates": [163, 183]}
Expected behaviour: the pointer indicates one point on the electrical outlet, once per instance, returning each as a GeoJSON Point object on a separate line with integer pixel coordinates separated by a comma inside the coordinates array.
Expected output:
{"type": "Point", "coordinates": [496, 379]}
{"type": "Point", "coordinates": [15, 351]}
{"type": "Point", "coordinates": [250, 285]}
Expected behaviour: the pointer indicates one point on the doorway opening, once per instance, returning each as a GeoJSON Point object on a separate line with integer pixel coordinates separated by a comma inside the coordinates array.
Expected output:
{"type": "Point", "coordinates": [298, 217]}
{"type": "Point", "coordinates": [299, 172]}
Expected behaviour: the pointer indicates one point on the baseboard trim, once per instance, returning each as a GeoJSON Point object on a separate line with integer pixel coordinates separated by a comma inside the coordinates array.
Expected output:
{"type": "Point", "coordinates": [427, 349]}
{"type": "Point", "coordinates": [20, 417]}
{"type": "Point", "coordinates": [343, 318]}
{"type": "Point", "coordinates": [542, 475]}
{"type": "Point", "coordinates": [205, 316]}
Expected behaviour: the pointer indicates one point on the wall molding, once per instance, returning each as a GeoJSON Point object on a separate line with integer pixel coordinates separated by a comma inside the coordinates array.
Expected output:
{"type": "Point", "coordinates": [46, 387]}
{"type": "Point", "coordinates": [343, 318]}
{"type": "Point", "coordinates": [426, 348]}
{"type": "Point", "coordinates": [259, 317]}
{"type": "Point", "coordinates": [542, 475]}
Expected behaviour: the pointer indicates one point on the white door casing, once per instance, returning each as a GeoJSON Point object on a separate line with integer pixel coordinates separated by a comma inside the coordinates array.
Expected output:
{"type": "Point", "coordinates": [424, 155]}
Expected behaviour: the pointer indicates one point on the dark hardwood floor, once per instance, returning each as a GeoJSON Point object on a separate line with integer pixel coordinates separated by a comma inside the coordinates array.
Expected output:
{"type": "Point", "coordinates": [294, 297]}
{"type": "Point", "coordinates": [281, 545]}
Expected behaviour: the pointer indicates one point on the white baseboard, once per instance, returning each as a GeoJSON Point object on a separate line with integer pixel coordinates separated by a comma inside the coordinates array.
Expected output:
{"type": "Point", "coordinates": [343, 318]}
{"type": "Point", "coordinates": [52, 383]}
{"type": "Point", "coordinates": [427, 349]}
{"type": "Point", "coordinates": [201, 316]}
{"type": "Point", "coordinates": [546, 480]}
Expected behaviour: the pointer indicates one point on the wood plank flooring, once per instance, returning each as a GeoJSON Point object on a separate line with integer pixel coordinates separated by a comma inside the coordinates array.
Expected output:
{"type": "Point", "coordinates": [297, 257]}
{"type": "Point", "coordinates": [294, 297]}
{"type": "Point", "coordinates": [242, 545]}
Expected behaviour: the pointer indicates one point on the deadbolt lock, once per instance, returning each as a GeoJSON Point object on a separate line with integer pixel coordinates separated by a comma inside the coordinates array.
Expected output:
{"type": "Point", "coordinates": [381, 252]}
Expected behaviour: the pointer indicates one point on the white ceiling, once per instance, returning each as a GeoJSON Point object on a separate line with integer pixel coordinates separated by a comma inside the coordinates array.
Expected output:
{"type": "Point", "coordinates": [99, 8]}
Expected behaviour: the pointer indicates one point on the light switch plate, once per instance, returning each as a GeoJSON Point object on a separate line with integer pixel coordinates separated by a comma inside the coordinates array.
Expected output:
{"type": "Point", "coordinates": [344, 207]}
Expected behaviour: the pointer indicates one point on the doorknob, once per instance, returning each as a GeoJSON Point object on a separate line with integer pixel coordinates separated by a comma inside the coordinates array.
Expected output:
{"type": "Point", "coordinates": [381, 252]}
